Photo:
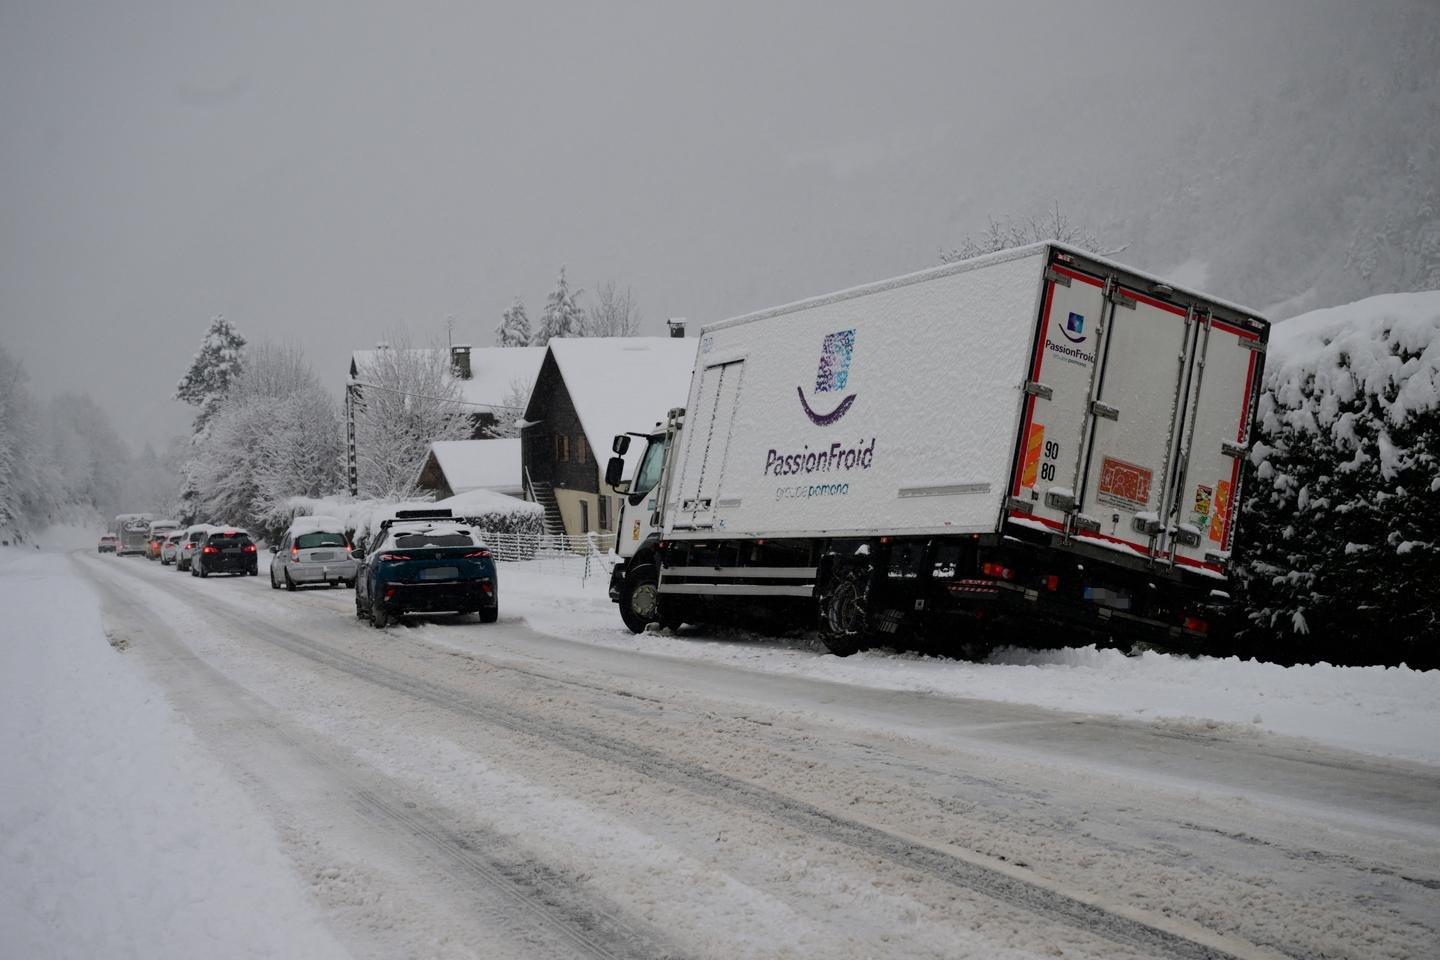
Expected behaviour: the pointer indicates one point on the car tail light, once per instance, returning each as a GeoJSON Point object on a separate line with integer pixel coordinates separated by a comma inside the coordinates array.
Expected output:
{"type": "Point", "coordinates": [997, 571]}
{"type": "Point", "coordinates": [249, 548]}
{"type": "Point", "coordinates": [390, 592]}
{"type": "Point", "coordinates": [477, 553]}
{"type": "Point", "coordinates": [294, 552]}
{"type": "Point", "coordinates": [1196, 625]}
{"type": "Point", "coordinates": [211, 550]}
{"type": "Point", "coordinates": [487, 587]}
{"type": "Point", "coordinates": [395, 556]}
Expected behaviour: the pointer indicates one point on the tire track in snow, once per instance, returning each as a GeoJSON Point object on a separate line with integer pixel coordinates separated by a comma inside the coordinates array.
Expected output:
{"type": "Point", "coordinates": [573, 916]}
{"type": "Point", "coordinates": [1016, 887]}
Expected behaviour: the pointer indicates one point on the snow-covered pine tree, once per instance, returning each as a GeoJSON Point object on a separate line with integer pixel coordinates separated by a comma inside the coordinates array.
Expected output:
{"type": "Point", "coordinates": [1340, 550]}
{"type": "Point", "coordinates": [211, 372]}
{"type": "Point", "coordinates": [563, 316]}
{"type": "Point", "coordinates": [514, 329]}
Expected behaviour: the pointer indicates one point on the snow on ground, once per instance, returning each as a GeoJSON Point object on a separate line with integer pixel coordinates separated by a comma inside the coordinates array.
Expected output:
{"type": "Point", "coordinates": [120, 835]}
{"type": "Point", "coordinates": [1387, 711]}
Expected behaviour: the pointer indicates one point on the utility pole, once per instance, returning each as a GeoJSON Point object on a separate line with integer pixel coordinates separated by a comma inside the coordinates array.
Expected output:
{"type": "Point", "coordinates": [352, 468]}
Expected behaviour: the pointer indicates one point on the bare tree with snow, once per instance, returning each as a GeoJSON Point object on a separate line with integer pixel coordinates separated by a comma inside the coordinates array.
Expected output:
{"type": "Point", "coordinates": [1009, 232]}
{"type": "Point", "coordinates": [613, 312]}
{"type": "Point", "coordinates": [408, 400]}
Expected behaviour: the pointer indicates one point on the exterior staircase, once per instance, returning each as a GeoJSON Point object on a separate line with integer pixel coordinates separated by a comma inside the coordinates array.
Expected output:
{"type": "Point", "coordinates": [543, 495]}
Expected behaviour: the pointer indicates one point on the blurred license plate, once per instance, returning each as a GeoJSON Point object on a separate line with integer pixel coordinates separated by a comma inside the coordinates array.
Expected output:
{"type": "Point", "coordinates": [326, 555]}
{"type": "Point", "coordinates": [438, 573]}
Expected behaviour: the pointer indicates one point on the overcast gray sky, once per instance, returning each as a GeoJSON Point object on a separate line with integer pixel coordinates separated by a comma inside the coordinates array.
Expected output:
{"type": "Point", "coordinates": [320, 172]}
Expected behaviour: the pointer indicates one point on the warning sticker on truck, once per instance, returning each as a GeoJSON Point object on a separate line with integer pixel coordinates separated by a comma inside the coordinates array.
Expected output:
{"type": "Point", "coordinates": [1034, 444]}
{"type": "Point", "coordinates": [1124, 485]}
{"type": "Point", "coordinates": [1200, 513]}
{"type": "Point", "coordinates": [1220, 521]}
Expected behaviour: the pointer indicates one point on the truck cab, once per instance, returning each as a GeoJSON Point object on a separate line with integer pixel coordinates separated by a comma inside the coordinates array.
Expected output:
{"type": "Point", "coordinates": [638, 474]}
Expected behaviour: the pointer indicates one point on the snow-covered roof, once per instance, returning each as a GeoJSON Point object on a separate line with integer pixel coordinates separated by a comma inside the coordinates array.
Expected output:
{"type": "Point", "coordinates": [624, 383]}
{"type": "Point", "coordinates": [478, 464]}
{"type": "Point", "coordinates": [493, 370]}
{"type": "Point", "coordinates": [474, 503]}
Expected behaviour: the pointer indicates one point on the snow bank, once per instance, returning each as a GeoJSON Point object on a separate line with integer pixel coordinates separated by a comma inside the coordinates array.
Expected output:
{"type": "Point", "coordinates": [120, 836]}
{"type": "Point", "coordinates": [1386, 711]}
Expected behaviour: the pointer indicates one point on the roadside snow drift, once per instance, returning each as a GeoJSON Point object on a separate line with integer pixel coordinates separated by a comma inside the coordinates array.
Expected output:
{"type": "Point", "coordinates": [120, 836]}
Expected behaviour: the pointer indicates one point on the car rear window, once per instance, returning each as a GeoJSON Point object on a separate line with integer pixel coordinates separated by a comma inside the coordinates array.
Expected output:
{"type": "Point", "coordinates": [307, 540]}
{"type": "Point", "coordinates": [228, 538]}
{"type": "Point", "coordinates": [450, 538]}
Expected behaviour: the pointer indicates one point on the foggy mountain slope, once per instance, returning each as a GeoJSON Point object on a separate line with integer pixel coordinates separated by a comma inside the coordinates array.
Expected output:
{"type": "Point", "coordinates": [1316, 178]}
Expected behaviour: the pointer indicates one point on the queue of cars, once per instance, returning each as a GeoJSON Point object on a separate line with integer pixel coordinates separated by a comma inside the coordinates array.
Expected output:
{"type": "Point", "coordinates": [420, 561]}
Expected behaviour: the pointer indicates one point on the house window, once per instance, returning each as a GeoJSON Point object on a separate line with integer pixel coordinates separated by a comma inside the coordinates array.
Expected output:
{"type": "Point", "coordinates": [604, 512]}
{"type": "Point", "coordinates": [581, 449]}
{"type": "Point", "coordinates": [562, 448]}
{"type": "Point", "coordinates": [584, 516]}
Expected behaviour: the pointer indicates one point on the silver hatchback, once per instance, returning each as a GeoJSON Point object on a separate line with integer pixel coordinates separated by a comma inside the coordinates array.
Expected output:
{"type": "Point", "coordinates": [312, 552]}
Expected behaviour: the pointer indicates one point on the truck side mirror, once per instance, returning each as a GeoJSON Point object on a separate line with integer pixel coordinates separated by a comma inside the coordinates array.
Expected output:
{"type": "Point", "coordinates": [613, 471]}
{"type": "Point", "coordinates": [620, 444]}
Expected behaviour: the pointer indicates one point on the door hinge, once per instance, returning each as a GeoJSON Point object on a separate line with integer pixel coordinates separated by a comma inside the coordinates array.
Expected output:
{"type": "Point", "coordinates": [1256, 345]}
{"type": "Point", "coordinates": [1084, 524]}
{"type": "Point", "coordinates": [1186, 538]}
{"type": "Point", "coordinates": [1119, 297]}
{"type": "Point", "coordinates": [1019, 506]}
{"type": "Point", "coordinates": [1056, 500]}
{"type": "Point", "coordinates": [1054, 276]}
{"type": "Point", "coordinates": [1038, 390]}
{"type": "Point", "coordinates": [1104, 410]}
{"type": "Point", "coordinates": [1232, 449]}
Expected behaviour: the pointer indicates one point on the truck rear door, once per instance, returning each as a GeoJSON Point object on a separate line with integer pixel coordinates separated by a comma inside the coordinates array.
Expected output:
{"type": "Point", "coordinates": [1136, 419]}
{"type": "Point", "coordinates": [707, 444]}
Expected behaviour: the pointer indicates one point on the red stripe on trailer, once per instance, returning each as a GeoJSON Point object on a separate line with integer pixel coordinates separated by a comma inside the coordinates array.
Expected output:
{"type": "Point", "coordinates": [1082, 277]}
{"type": "Point", "coordinates": [1234, 503]}
{"type": "Point", "coordinates": [1035, 377]}
{"type": "Point", "coordinates": [1243, 334]}
{"type": "Point", "coordinates": [1144, 551]}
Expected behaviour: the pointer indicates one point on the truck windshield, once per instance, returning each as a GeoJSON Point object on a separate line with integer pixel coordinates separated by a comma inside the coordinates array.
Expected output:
{"type": "Point", "coordinates": [649, 473]}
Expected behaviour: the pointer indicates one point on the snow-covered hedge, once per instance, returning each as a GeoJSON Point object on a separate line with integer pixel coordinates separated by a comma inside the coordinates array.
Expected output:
{"type": "Point", "coordinates": [1340, 556]}
{"type": "Point", "coordinates": [488, 512]}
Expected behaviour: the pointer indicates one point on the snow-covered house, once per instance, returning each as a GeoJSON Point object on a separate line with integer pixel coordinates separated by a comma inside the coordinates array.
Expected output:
{"type": "Point", "coordinates": [492, 379]}
{"type": "Point", "coordinates": [588, 390]}
{"type": "Point", "coordinates": [458, 466]}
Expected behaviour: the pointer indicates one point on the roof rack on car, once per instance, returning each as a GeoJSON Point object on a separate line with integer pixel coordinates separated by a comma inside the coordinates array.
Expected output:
{"type": "Point", "coordinates": [441, 513]}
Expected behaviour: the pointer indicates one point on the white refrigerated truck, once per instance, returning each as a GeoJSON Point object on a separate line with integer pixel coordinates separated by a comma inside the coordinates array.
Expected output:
{"type": "Point", "coordinates": [1038, 444]}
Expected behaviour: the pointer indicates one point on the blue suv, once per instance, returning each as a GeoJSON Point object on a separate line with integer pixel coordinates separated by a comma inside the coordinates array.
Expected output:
{"type": "Point", "coordinates": [426, 561]}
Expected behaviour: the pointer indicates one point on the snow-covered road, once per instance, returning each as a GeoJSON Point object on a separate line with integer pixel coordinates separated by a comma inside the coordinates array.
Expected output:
{"type": "Point", "coordinates": [456, 790]}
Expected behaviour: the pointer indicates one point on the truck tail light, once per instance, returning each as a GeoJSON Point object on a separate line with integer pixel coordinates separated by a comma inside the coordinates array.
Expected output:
{"type": "Point", "coordinates": [1052, 583]}
{"type": "Point", "coordinates": [1196, 625]}
{"type": "Point", "coordinates": [997, 571]}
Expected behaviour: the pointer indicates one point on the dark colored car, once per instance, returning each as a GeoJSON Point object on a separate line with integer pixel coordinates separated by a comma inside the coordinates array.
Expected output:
{"type": "Point", "coordinates": [426, 562]}
{"type": "Point", "coordinates": [225, 551]}
{"type": "Point", "coordinates": [107, 543]}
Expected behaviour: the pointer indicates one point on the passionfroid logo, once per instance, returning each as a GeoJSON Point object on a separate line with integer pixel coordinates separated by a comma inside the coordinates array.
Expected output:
{"type": "Point", "coordinates": [1074, 329]}
{"type": "Point", "coordinates": [834, 372]}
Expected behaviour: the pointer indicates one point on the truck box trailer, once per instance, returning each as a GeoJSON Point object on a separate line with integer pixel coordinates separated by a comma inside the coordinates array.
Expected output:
{"type": "Point", "coordinates": [1034, 439]}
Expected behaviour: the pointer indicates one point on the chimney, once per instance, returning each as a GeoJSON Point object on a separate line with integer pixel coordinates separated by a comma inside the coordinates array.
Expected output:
{"type": "Point", "coordinates": [460, 360]}
{"type": "Point", "coordinates": [677, 326]}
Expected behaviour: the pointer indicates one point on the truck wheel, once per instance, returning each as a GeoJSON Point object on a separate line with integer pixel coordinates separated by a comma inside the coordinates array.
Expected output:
{"type": "Point", "coordinates": [842, 614]}
{"type": "Point", "coordinates": [640, 600]}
